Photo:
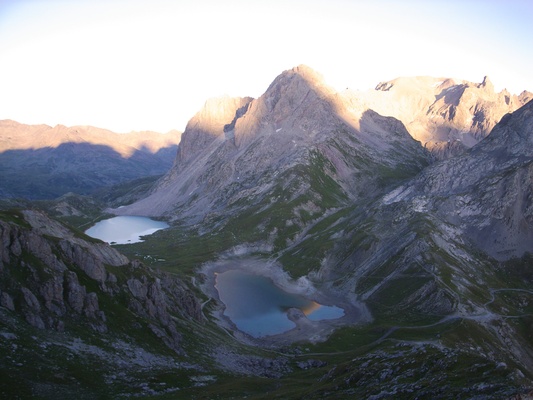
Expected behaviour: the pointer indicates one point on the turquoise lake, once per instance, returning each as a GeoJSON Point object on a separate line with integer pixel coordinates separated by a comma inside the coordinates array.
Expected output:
{"type": "Point", "coordinates": [125, 229]}
{"type": "Point", "coordinates": [259, 308]}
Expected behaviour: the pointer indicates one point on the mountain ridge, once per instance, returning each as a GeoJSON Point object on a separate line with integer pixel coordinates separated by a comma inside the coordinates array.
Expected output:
{"type": "Point", "coordinates": [19, 136]}
{"type": "Point", "coordinates": [499, 169]}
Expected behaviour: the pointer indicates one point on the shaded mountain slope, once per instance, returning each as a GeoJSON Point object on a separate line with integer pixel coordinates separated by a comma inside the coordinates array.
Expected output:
{"type": "Point", "coordinates": [487, 191]}
{"type": "Point", "coordinates": [70, 304]}
{"type": "Point", "coordinates": [41, 162]}
{"type": "Point", "coordinates": [450, 248]}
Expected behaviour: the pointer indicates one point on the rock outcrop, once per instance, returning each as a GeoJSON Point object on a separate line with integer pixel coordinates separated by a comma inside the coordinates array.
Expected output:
{"type": "Point", "coordinates": [58, 280]}
{"type": "Point", "coordinates": [209, 124]}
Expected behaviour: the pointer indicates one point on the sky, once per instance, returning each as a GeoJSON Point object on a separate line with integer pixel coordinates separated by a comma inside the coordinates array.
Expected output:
{"type": "Point", "coordinates": [150, 65]}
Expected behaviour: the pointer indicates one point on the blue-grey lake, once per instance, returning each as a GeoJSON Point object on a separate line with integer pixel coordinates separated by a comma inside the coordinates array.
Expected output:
{"type": "Point", "coordinates": [258, 307]}
{"type": "Point", "coordinates": [125, 229]}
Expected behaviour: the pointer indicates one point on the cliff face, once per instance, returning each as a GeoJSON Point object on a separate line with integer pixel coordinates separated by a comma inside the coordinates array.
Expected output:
{"type": "Point", "coordinates": [57, 280]}
{"type": "Point", "coordinates": [208, 125]}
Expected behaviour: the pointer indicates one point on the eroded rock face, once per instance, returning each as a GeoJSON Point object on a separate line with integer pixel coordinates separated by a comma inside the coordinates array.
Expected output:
{"type": "Point", "coordinates": [75, 293]}
{"type": "Point", "coordinates": [160, 296]}
{"type": "Point", "coordinates": [208, 125]}
{"type": "Point", "coordinates": [6, 301]}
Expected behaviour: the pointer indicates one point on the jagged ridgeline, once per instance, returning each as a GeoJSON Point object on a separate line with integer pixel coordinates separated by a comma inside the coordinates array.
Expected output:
{"type": "Point", "coordinates": [327, 191]}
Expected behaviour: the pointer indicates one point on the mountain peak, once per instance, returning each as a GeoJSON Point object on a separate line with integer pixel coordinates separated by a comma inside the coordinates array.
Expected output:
{"type": "Point", "coordinates": [301, 73]}
{"type": "Point", "coordinates": [486, 84]}
{"type": "Point", "coordinates": [208, 124]}
{"type": "Point", "coordinates": [294, 86]}
{"type": "Point", "coordinates": [307, 73]}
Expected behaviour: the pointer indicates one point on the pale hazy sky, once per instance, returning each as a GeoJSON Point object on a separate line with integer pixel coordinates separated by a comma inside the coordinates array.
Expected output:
{"type": "Point", "coordinates": [150, 65]}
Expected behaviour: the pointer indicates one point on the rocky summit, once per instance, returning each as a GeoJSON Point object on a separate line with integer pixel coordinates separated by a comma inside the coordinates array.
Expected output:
{"type": "Point", "coordinates": [409, 207]}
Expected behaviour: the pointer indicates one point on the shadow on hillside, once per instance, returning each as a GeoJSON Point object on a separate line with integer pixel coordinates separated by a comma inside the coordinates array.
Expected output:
{"type": "Point", "coordinates": [81, 168]}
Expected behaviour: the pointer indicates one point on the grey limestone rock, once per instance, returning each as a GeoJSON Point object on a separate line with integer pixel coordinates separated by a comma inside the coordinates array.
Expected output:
{"type": "Point", "coordinates": [30, 300]}
{"type": "Point", "coordinates": [488, 191]}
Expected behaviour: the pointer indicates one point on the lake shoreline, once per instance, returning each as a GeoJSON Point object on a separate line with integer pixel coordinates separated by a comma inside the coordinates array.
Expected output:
{"type": "Point", "coordinates": [355, 312]}
{"type": "Point", "coordinates": [125, 229]}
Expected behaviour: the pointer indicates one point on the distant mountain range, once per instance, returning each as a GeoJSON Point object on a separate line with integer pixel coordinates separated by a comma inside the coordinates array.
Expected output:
{"type": "Point", "coordinates": [43, 162]}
